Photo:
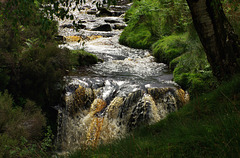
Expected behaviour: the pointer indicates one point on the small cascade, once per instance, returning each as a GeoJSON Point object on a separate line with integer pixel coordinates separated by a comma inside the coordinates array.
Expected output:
{"type": "Point", "coordinates": [100, 115]}
{"type": "Point", "coordinates": [106, 101]}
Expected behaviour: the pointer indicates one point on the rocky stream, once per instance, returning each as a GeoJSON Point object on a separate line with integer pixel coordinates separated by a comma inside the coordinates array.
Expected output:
{"type": "Point", "coordinates": [106, 101]}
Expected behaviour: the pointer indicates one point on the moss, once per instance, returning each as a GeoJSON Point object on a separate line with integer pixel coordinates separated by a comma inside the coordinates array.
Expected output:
{"type": "Point", "coordinates": [137, 37]}
{"type": "Point", "coordinates": [149, 20]}
{"type": "Point", "coordinates": [170, 47]}
{"type": "Point", "coordinates": [143, 26]}
{"type": "Point", "coordinates": [174, 62]}
{"type": "Point", "coordinates": [196, 83]}
{"type": "Point", "coordinates": [193, 73]}
{"type": "Point", "coordinates": [83, 58]}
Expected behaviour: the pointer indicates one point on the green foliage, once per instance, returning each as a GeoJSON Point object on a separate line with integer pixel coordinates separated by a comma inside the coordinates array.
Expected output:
{"type": "Point", "coordinates": [166, 28]}
{"type": "Point", "coordinates": [142, 27]}
{"type": "Point", "coordinates": [21, 129]}
{"type": "Point", "coordinates": [232, 11]}
{"type": "Point", "coordinates": [169, 47]}
{"type": "Point", "coordinates": [150, 20]}
{"type": "Point", "coordinates": [4, 79]}
{"type": "Point", "coordinates": [208, 126]}
{"type": "Point", "coordinates": [32, 65]}
{"type": "Point", "coordinates": [82, 58]}
{"type": "Point", "coordinates": [192, 70]}
{"type": "Point", "coordinates": [41, 71]}
{"type": "Point", "coordinates": [196, 83]}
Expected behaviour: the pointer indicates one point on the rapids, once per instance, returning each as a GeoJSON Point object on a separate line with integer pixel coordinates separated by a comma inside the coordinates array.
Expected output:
{"type": "Point", "coordinates": [105, 101]}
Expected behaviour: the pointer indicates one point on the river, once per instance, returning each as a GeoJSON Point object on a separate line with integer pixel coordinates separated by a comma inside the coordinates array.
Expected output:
{"type": "Point", "coordinates": [106, 101]}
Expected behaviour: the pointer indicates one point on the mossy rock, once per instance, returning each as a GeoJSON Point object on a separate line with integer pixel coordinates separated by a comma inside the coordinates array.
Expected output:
{"type": "Point", "coordinates": [83, 58]}
{"type": "Point", "coordinates": [169, 48]}
{"type": "Point", "coordinates": [143, 28]}
{"type": "Point", "coordinates": [137, 37]}
{"type": "Point", "coordinates": [196, 83]}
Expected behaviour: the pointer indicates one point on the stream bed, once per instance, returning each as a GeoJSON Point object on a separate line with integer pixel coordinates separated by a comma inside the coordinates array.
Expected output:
{"type": "Point", "coordinates": [106, 101]}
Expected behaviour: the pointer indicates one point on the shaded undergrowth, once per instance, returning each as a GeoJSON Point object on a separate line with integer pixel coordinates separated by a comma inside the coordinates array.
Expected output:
{"type": "Point", "coordinates": [208, 126]}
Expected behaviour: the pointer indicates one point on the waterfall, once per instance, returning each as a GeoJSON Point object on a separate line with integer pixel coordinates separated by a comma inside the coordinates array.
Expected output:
{"type": "Point", "coordinates": [108, 100]}
{"type": "Point", "coordinates": [100, 115]}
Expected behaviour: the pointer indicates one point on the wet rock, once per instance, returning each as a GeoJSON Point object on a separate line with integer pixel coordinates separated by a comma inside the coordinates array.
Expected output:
{"type": "Point", "coordinates": [113, 109]}
{"type": "Point", "coordinates": [103, 12]}
{"type": "Point", "coordinates": [103, 27]}
{"type": "Point", "coordinates": [60, 38]}
{"type": "Point", "coordinates": [80, 26]}
{"type": "Point", "coordinates": [78, 102]}
{"type": "Point", "coordinates": [120, 8]}
{"type": "Point", "coordinates": [118, 13]}
{"type": "Point", "coordinates": [92, 20]}
{"type": "Point", "coordinates": [141, 113]}
{"type": "Point", "coordinates": [122, 2]}
{"type": "Point", "coordinates": [97, 106]}
{"type": "Point", "coordinates": [112, 20]}
{"type": "Point", "coordinates": [82, 21]}
{"type": "Point", "coordinates": [119, 26]}
{"type": "Point", "coordinates": [90, 96]}
{"type": "Point", "coordinates": [90, 119]}
{"type": "Point", "coordinates": [92, 11]}
{"type": "Point", "coordinates": [67, 26]}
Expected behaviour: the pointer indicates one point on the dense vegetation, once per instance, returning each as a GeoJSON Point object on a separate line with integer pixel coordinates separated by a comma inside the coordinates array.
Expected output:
{"type": "Point", "coordinates": [32, 67]}
{"type": "Point", "coordinates": [166, 28]}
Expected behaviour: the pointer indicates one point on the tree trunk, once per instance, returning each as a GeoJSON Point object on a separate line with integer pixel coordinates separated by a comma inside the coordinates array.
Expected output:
{"type": "Point", "coordinates": [221, 44]}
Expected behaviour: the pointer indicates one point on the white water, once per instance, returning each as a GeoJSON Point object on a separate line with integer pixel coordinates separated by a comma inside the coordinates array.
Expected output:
{"type": "Point", "coordinates": [107, 100]}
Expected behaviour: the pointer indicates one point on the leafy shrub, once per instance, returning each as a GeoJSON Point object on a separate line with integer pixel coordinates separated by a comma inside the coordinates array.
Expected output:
{"type": "Point", "coordinates": [169, 47]}
{"type": "Point", "coordinates": [4, 79]}
{"type": "Point", "coordinates": [19, 126]}
{"type": "Point", "coordinates": [41, 72]}
{"type": "Point", "coordinates": [31, 64]}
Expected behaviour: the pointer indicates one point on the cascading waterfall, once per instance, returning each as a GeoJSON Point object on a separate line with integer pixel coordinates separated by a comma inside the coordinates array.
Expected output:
{"type": "Point", "coordinates": [106, 101]}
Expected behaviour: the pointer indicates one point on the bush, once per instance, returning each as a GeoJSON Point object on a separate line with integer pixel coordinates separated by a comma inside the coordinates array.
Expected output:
{"type": "Point", "coordinates": [20, 127]}
{"type": "Point", "coordinates": [31, 64]}
{"type": "Point", "coordinates": [169, 48]}
{"type": "Point", "coordinates": [41, 72]}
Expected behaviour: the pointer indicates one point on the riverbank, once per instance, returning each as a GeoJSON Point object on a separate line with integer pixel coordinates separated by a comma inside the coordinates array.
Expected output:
{"type": "Point", "coordinates": [166, 29]}
{"type": "Point", "coordinates": [206, 127]}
